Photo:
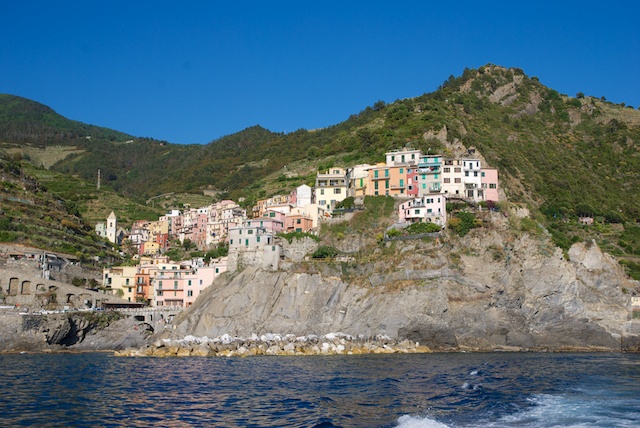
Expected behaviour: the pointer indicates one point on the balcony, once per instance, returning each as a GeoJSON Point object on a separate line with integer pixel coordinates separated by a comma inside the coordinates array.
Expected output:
{"type": "Point", "coordinates": [398, 186]}
{"type": "Point", "coordinates": [428, 169]}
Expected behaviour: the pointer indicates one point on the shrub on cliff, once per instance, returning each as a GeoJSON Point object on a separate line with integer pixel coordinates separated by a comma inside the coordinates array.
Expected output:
{"type": "Point", "coordinates": [325, 252]}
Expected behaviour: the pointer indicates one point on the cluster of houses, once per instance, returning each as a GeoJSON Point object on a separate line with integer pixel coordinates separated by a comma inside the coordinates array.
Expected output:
{"type": "Point", "coordinates": [423, 182]}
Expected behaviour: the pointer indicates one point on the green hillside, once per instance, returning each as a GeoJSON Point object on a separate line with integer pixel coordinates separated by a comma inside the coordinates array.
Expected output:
{"type": "Point", "coordinates": [563, 156]}
{"type": "Point", "coordinates": [32, 215]}
{"type": "Point", "coordinates": [26, 121]}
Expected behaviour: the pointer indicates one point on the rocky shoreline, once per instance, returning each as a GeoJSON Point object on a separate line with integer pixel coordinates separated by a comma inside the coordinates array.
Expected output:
{"type": "Point", "coordinates": [274, 344]}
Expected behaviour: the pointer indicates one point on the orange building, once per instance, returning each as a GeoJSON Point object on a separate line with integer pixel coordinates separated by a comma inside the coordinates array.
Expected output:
{"type": "Point", "coordinates": [385, 180]}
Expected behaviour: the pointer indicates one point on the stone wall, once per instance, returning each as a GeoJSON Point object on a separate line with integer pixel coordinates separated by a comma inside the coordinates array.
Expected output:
{"type": "Point", "coordinates": [26, 289]}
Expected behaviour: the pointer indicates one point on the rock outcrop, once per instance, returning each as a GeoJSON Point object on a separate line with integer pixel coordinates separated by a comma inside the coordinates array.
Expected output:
{"type": "Point", "coordinates": [69, 332]}
{"type": "Point", "coordinates": [488, 293]}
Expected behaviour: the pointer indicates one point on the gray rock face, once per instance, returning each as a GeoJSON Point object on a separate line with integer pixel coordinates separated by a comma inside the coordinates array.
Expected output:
{"type": "Point", "coordinates": [37, 333]}
{"type": "Point", "coordinates": [526, 297]}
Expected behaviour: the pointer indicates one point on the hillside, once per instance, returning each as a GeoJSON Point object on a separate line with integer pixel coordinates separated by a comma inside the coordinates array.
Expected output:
{"type": "Point", "coordinates": [561, 156]}
{"type": "Point", "coordinates": [25, 121]}
{"type": "Point", "coordinates": [32, 215]}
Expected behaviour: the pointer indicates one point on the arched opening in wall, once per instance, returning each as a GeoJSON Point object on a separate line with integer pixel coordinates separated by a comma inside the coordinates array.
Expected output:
{"type": "Point", "coordinates": [41, 287]}
{"type": "Point", "coordinates": [71, 298]}
{"type": "Point", "coordinates": [13, 286]}
{"type": "Point", "coordinates": [139, 317]}
{"type": "Point", "coordinates": [53, 289]}
{"type": "Point", "coordinates": [25, 288]}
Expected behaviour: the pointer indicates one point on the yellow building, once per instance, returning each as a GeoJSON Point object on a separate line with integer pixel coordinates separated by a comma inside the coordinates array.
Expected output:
{"type": "Point", "coordinates": [331, 187]}
{"type": "Point", "coordinates": [121, 278]}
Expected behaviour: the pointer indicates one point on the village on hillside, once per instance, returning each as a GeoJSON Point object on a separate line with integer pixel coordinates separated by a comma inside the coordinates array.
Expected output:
{"type": "Point", "coordinates": [422, 183]}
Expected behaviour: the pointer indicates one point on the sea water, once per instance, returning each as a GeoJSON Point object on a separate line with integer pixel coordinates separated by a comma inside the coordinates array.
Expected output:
{"type": "Point", "coordinates": [418, 390]}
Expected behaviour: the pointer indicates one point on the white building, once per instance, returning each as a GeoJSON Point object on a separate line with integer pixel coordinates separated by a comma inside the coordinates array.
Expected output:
{"type": "Point", "coordinates": [405, 156]}
{"type": "Point", "coordinates": [430, 208]}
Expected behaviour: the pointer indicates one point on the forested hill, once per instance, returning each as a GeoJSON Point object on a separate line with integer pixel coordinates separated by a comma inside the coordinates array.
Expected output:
{"type": "Point", "coordinates": [26, 121]}
{"type": "Point", "coordinates": [553, 151]}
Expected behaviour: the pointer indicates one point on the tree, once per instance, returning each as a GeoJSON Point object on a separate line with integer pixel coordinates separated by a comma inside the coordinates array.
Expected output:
{"type": "Point", "coordinates": [580, 95]}
{"type": "Point", "coordinates": [585, 210]}
{"type": "Point", "coordinates": [379, 105]}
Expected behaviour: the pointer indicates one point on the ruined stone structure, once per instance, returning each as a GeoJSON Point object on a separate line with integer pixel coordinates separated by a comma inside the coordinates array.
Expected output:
{"type": "Point", "coordinates": [26, 289]}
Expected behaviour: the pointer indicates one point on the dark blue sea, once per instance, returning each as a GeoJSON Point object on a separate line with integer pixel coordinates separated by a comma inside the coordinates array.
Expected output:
{"type": "Point", "coordinates": [419, 390]}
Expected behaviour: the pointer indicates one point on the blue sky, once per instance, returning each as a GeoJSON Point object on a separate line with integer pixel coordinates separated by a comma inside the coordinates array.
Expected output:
{"type": "Point", "coordinates": [193, 72]}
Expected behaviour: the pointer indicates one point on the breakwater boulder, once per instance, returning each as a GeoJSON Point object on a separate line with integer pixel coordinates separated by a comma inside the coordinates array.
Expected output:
{"type": "Point", "coordinates": [275, 344]}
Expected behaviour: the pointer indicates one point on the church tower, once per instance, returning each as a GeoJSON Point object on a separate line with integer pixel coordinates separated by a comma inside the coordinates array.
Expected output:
{"type": "Point", "coordinates": [112, 227]}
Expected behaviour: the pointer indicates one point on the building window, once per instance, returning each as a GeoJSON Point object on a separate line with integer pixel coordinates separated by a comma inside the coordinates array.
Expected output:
{"type": "Point", "coordinates": [257, 239]}
{"type": "Point", "coordinates": [217, 270]}
{"type": "Point", "coordinates": [231, 242]}
{"type": "Point", "coordinates": [458, 180]}
{"type": "Point", "coordinates": [466, 173]}
{"type": "Point", "coordinates": [401, 170]}
{"type": "Point", "coordinates": [322, 191]}
{"type": "Point", "coordinates": [447, 180]}
{"type": "Point", "coordinates": [337, 191]}
{"type": "Point", "coordinates": [475, 173]}
{"type": "Point", "coordinates": [493, 186]}
{"type": "Point", "coordinates": [375, 174]}
{"type": "Point", "coordinates": [457, 170]}
{"type": "Point", "coordinates": [386, 172]}
{"type": "Point", "coordinates": [160, 284]}
{"type": "Point", "coordinates": [447, 170]}
{"type": "Point", "coordinates": [386, 184]}
{"type": "Point", "coordinates": [175, 285]}
{"type": "Point", "coordinates": [189, 293]}
{"type": "Point", "coordinates": [401, 183]}
{"type": "Point", "coordinates": [189, 283]}
{"type": "Point", "coordinates": [250, 231]}
{"type": "Point", "coordinates": [375, 185]}
{"type": "Point", "coordinates": [482, 173]}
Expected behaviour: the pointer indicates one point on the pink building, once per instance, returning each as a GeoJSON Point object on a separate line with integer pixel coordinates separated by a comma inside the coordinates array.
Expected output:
{"type": "Point", "coordinates": [431, 208]}
{"type": "Point", "coordinates": [170, 285]}
{"type": "Point", "coordinates": [201, 278]}
{"type": "Point", "coordinates": [489, 180]}
{"type": "Point", "coordinates": [272, 221]}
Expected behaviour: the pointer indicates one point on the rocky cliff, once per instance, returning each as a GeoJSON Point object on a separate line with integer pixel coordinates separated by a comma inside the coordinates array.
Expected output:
{"type": "Point", "coordinates": [87, 331]}
{"type": "Point", "coordinates": [489, 290]}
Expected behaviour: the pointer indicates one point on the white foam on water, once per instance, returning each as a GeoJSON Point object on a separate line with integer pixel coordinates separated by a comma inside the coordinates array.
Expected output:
{"type": "Point", "coordinates": [473, 373]}
{"type": "Point", "coordinates": [561, 411]}
{"type": "Point", "coordinates": [408, 421]}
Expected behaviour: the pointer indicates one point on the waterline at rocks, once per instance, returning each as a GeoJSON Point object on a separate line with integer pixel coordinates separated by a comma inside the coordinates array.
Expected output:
{"type": "Point", "coordinates": [275, 344]}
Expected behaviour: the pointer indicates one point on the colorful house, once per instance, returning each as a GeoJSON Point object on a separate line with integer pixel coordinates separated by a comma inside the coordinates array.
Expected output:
{"type": "Point", "coordinates": [489, 180]}
{"type": "Point", "coordinates": [386, 180]}
{"type": "Point", "coordinates": [331, 187]}
{"type": "Point", "coordinates": [430, 208]}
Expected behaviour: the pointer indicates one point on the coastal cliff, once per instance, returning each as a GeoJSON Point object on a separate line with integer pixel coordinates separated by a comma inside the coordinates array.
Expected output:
{"type": "Point", "coordinates": [488, 291]}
